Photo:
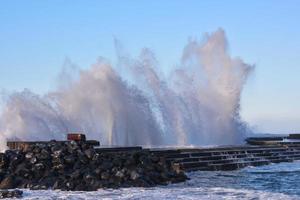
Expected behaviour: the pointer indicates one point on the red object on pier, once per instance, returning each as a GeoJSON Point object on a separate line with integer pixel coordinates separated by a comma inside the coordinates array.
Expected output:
{"type": "Point", "coordinates": [76, 137]}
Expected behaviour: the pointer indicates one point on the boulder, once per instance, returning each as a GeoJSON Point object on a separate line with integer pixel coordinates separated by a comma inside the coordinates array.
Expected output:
{"type": "Point", "coordinates": [10, 194]}
{"type": "Point", "coordinates": [8, 183]}
{"type": "Point", "coordinates": [78, 166]}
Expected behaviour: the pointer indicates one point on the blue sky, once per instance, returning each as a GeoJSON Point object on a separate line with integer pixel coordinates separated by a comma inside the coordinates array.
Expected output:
{"type": "Point", "coordinates": [36, 37]}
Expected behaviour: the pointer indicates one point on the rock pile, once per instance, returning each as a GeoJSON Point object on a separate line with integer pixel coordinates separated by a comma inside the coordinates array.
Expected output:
{"type": "Point", "coordinates": [4, 194]}
{"type": "Point", "coordinates": [78, 166]}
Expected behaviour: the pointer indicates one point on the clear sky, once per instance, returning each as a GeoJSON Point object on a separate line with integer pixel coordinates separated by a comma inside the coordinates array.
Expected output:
{"type": "Point", "coordinates": [36, 37]}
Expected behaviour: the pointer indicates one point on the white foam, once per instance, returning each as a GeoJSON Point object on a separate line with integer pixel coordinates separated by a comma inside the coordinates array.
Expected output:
{"type": "Point", "coordinates": [162, 193]}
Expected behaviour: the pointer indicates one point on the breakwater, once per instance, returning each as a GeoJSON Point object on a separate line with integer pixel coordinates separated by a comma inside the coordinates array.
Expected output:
{"type": "Point", "coordinates": [258, 151]}
{"type": "Point", "coordinates": [230, 158]}
{"type": "Point", "coordinates": [80, 165]}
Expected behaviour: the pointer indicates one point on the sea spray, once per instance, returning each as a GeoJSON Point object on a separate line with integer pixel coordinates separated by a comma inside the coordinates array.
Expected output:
{"type": "Point", "coordinates": [133, 104]}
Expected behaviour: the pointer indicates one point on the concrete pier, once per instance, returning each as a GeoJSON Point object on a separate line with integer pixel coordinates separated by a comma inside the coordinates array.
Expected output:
{"type": "Point", "coordinates": [230, 158]}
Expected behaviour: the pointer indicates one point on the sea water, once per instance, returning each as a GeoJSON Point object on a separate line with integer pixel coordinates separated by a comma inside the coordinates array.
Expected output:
{"type": "Point", "coordinates": [275, 181]}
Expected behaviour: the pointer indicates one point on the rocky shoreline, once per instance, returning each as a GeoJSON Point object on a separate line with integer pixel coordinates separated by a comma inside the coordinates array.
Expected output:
{"type": "Point", "coordinates": [77, 166]}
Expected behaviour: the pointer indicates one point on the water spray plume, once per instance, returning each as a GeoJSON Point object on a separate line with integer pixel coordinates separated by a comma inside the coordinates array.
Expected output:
{"type": "Point", "coordinates": [133, 104]}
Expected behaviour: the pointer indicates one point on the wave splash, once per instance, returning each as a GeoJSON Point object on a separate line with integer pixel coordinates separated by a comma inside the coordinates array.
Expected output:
{"type": "Point", "coordinates": [132, 103]}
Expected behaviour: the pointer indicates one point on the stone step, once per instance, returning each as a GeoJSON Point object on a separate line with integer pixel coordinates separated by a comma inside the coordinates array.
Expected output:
{"type": "Point", "coordinates": [197, 163]}
{"type": "Point", "coordinates": [185, 165]}
{"type": "Point", "coordinates": [119, 149]}
{"type": "Point", "coordinates": [167, 152]}
{"type": "Point", "coordinates": [223, 155]}
{"type": "Point", "coordinates": [191, 169]}
{"type": "Point", "coordinates": [218, 157]}
{"type": "Point", "coordinates": [207, 158]}
{"type": "Point", "coordinates": [280, 160]}
{"type": "Point", "coordinates": [239, 156]}
{"type": "Point", "coordinates": [230, 158]}
{"type": "Point", "coordinates": [234, 152]}
{"type": "Point", "coordinates": [234, 166]}
{"type": "Point", "coordinates": [237, 165]}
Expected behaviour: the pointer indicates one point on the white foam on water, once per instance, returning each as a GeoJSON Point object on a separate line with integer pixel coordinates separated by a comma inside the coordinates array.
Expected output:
{"type": "Point", "coordinates": [162, 193]}
{"type": "Point", "coordinates": [248, 183]}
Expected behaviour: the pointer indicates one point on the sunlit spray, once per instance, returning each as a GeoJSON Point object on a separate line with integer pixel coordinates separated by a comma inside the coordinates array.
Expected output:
{"type": "Point", "coordinates": [132, 103]}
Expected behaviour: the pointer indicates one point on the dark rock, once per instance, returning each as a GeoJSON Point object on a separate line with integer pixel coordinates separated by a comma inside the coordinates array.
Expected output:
{"type": "Point", "coordinates": [70, 185]}
{"type": "Point", "coordinates": [117, 161]}
{"type": "Point", "coordinates": [39, 166]}
{"type": "Point", "coordinates": [120, 174]}
{"type": "Point", "coordinates": [29, 155]}
{"type": "Point", "coordinates": [78, 166]}
{"type": "Point", "coordinates": [134, 175]}
{"type": "Point", "coordinates": [3, 160]}
{"type": "Point", "coordinates": [88, 176]}
{"type": "Point", "coordinates": [154, 158]}
{"type": "Point", "coordinates": [140, 182]}
{"type": "Point", "coordinates": [76, 174]}
{"type": "Point", "coordinates": [97, 158]}
{"type": "Point", "coordinates": [38, 187]}
{"type": "Point", "coordinates": [98, 171]}
{"type": "Point", "coordinates": [33, 160]}
{"type": "Point", "coordinates": [43, 155]}
{"type": "Point", "coordinates": [70, 159]}
{"type": "Point", "coordinates": [106, 165]}
{"type": "Point", "coordinates": [16, 159]}
{"type": "Point", "coordinates": [89, 153]}
{"type": "Point", "coordinates": [80, 187]}
{"type": "Point", "coordinates": [82, 157]}
{"type": "Point", "coordinates": [10, 194]}
{"type": "Point", "coordinates": [105, 175]}
{"type": "Point", "coordinates": [8, 183]}
{"type": "Point", "coordinates": [57, 184]}
{"type": "Point", "coordinates": [21, 169]}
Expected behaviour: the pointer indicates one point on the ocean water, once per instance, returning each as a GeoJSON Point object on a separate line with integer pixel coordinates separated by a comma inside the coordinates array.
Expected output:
{"type": "Point", "coordinates": [276, 181]}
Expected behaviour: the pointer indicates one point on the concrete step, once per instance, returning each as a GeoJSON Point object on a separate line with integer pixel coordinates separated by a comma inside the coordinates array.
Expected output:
{"type": "Point", "coordinates": [236, 165]}
{"type": "Point", "coordinates": [167, 152]}
{"type": "Point", "coordinates": [186, 165]}
{"type": "Point", "coordinates": [227, 160]}
{"type": "Point", "coordinates": [118, 149]}
{"type": "Point", "coordinates": [231, 158]}
{"type": "Point", "coordinates": [230, 154]}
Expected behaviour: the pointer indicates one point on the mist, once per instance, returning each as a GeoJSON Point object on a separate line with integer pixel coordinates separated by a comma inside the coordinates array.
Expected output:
{"type": "Point", "coordinates": [134, 103]}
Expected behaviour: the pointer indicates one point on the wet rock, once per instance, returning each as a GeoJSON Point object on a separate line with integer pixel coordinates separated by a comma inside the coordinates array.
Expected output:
{"type": "Point", "coordinates": [98, 171]}
{"type": "Point", "coordinates": [8, 183]}
{"type": "Point", "coordinates": [82, 158]}
{"type": "Point", "coordinates": [57, 184]}
{"type": "Point", "coordinates": [77, 166]}
{"type": "Point", "coordinates": [117, 161]}
{"type": "Point", "coordinates": [89, 153]}
{"type": "Point", "coordinates": [75, 175]}
{"type": "Point", "coordinates": [3, 160]}
{"type": "Point", "coordinates": [21, 169]}
{"type": "Point", "coordinates": [134, 175]}
{"type": "Point", "coordinates": [154, 158]}
{"type": "Point", "coordinates": [106, 165]}
{"type": "Point", "coordinates": [33, 160]}
{"type": "Point", "coordinates": [43, 155]}
{"type": "Point", "coordinates": [29, 155]}
{"type": "Point", "coordinates": [39, 166]}
{"type": "Point", "coordinates": [88, 176]}
{"type": "Point", "coordinates": [105, 175]}
{"type": "Point", "coordinates": [80, 187]}
{"type": "Point", "coordinates": [16, 159]}
{"type": "Point", "coordinates": [10, 194]}
{"type": "Point", "coordinates": [70, 159]}
{"type": "Point", "coordinates": [120, 174]}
